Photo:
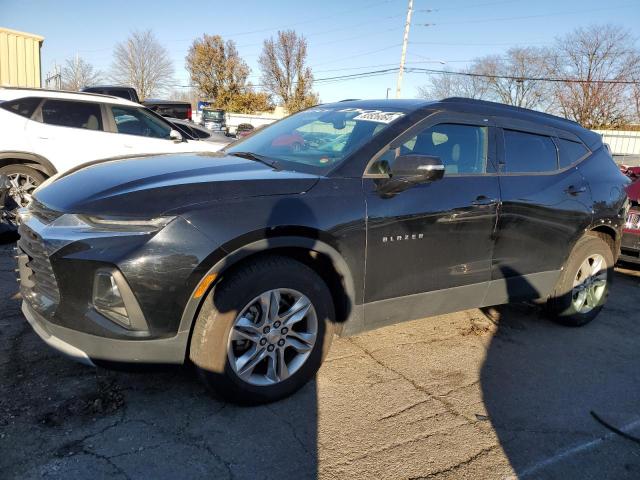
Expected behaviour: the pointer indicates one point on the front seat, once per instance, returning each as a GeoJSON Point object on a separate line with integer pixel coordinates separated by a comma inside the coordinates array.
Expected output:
{"type": "Point", "coordinates": [91, 123]}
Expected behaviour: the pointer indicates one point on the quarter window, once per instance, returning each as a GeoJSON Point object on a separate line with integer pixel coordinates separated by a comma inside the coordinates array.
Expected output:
{"type": "Point", "coordinates": [64, 113]}
{"type": "Point", "coordinates": [529, 153]}
{"type": "Point", "coordinates": [570, 152]}
{"type": "Point", "coordinates": [136, 121]}
{"type": "Point", "coordinates": [23, 106]}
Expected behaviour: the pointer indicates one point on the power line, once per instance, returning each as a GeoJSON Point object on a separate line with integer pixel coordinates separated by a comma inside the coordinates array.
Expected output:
{"type": "Point", "coordinates": [528, 17]}
{"type": "Point", "coordinates": [374, 73]}
{"type": "Point", "coordinates": [520, 78]}
{"type": "Point", "coordinates": [362, 54]}
{"type": "Point", "coordinates": [475, 5]}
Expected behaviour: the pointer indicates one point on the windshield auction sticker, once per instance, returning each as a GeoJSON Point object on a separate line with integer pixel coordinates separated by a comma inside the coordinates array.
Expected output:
{"type": "Point", "coordinates": [378, 116]}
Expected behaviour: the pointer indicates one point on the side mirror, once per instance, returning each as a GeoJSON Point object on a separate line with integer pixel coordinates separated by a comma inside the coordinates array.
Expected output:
{"type": "Point", "coordinates": [175, 136]}
{"type": "Point", "coordinates": [417, 168]}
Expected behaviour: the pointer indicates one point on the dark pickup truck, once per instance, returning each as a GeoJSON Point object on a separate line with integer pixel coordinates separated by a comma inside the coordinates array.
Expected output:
{"type": "Point", "coordinates": [166, 108]}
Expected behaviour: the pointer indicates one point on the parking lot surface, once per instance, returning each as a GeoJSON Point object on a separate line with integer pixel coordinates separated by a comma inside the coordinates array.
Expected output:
{"type": "Point", "coordinates": [501, 393]}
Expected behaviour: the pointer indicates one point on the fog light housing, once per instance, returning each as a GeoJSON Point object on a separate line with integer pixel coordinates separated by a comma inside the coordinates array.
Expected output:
{"type": "Point", "coordinates": [108, 299]}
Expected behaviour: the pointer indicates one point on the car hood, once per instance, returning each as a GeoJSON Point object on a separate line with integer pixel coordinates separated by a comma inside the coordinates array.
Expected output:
{"type": "Point", "coordinates": [155, 185]}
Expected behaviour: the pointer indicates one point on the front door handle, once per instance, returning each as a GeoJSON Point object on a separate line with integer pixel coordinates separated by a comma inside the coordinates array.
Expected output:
{"type": "Point", "coordinates": [484, 200]}
{"type": "Point", "coordinates": [573, 190]}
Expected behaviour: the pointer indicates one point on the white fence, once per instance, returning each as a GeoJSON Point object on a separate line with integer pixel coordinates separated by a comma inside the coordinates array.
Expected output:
{"type": "Point", "coordinates": [621, 142]}
{"type": "Point", "coordinates": [235, 119]}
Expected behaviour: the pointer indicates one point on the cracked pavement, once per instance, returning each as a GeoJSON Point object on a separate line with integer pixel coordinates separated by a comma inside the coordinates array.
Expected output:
{"type": "Point", "coordinates": [501, 393]}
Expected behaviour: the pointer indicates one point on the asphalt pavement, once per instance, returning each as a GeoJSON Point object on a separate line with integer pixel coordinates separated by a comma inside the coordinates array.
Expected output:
{"type": "Point", "coordinates": [500, 393]}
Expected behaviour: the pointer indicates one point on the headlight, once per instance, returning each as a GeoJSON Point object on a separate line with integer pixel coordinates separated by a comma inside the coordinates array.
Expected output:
{"type": "Point", "coordinates": [126, 224]}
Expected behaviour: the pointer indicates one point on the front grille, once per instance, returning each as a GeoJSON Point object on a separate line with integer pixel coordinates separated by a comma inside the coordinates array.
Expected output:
{"type": "Point", "coordinates": [42, 212]}
{"type": "Point", "coordinates": [37, 280]}
{"type": "Point", "coordinates": [633, 221]}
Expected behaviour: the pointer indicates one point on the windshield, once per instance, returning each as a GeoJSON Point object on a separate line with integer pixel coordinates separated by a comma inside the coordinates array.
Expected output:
{"type": "Point", "coordinates": [319, 138]}
{"type": "Point", "coordinates": [212, 115]}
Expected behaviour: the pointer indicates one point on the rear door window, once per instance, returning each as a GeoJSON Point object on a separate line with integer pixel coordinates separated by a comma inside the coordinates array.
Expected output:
{"type": "Point", "coordinates": [64, 113]}
{"type": "Point", "coordinates": [136, 121]}
{"type": "Point", "coordinates": [570, 152]}
{"type": "Point", "coordinates": [23, 106]}
{"type": "Point", "coordinates": [529, 153]}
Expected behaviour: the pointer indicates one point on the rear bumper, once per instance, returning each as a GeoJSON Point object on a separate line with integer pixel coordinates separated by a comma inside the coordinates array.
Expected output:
{"type": "Point", "coordinates": [630, 248]}
{"type": "Point", "coordinates": [86, 348]}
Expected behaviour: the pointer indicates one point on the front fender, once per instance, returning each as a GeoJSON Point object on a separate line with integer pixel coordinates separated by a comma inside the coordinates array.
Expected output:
{"type": "Point", "coordinates": [352, 323]}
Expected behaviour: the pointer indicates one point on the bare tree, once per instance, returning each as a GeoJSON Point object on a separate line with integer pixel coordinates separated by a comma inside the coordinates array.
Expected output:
{"type": "Point", "coordinates": [216, 69]}
{"type": "Point", "coordinates": [505, 79]}
{"type": "Point", "coordinates": [78, 73]}
{"type": "Point", "coordinates": [143, 63]}
{"type": "Point", "coordinates": [512, 79]}
{"type": "Point", "coordinates": [595, 56]}
{"type": "Point", "coordinates": [455, 85]}
{"type": "Point", "coordinates": [284, 71]}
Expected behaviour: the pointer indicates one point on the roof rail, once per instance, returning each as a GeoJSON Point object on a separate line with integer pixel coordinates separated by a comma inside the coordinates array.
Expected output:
{"type": "Point", "coordinates": [32, 89]}
{"type": "Point", "coordinates": [487, 103]}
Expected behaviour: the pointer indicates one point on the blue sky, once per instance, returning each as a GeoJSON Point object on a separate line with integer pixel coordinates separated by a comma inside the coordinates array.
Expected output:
{"type": "Point", "coordinates": [344, 37]}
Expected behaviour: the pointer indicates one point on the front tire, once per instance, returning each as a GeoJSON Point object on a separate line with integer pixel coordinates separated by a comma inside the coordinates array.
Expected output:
{"type": "Point", "coordinates": [263, 331]}
{"type": "Point", "coordinates": [583, 286]}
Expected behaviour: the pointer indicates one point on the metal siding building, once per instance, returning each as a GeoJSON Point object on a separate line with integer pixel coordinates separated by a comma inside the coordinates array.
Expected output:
{"type": "Point", "coordinates": [19, 58]}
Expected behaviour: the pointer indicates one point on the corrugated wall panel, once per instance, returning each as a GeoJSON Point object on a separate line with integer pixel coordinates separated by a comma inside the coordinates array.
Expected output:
{"type": "Point", "coordinates": [19, 59]}
{"type": "Point", "coordinates": [4, 59]}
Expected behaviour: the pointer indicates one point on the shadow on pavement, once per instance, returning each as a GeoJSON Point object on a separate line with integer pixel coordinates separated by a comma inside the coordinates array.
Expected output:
{"type": "Point", "coordinates": [540, 381]}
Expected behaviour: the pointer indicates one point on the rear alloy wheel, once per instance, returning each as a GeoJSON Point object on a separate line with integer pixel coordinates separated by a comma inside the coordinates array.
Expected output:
{"type": "Point", "coordinates": [263, 331]}
{"type": "Point", "coordinates": [23, 180]}
{"type": "Point", "coordinates": [589, 284]}
{"type": "Point", "coordinates": [583, 286]}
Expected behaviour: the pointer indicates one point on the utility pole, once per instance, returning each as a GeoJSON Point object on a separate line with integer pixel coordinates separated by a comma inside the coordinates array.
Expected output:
{"type": "Point", "coordinates": [405, 40]}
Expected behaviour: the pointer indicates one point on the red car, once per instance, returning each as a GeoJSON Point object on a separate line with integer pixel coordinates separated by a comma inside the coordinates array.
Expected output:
{"type": "Point", "coordinates": [631, 233]}
{"type": "Point", "coordinates": [293, 141]}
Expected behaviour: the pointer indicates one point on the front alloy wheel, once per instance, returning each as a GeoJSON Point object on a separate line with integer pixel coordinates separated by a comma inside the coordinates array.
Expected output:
{"type": "Point", "coordinates": [272, 337]}
{"type": "Point", "coordinates": [263, 331]}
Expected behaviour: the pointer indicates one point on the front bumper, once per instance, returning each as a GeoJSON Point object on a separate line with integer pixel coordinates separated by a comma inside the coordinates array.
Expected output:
{"type": "Point", "coordinates": [57, 263]}
{"type": "Point", "coordinates": [86, 348]}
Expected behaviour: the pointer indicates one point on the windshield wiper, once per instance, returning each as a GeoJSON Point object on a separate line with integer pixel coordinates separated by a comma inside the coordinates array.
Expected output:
{"type": "Point", "coordinates": [258, 158]}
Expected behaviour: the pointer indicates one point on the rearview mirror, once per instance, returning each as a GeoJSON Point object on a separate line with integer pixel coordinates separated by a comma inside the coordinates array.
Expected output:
{"type": "Point", "coordinates": [417, 168]}
{"type": "Point", "coordinates": [175, 136]}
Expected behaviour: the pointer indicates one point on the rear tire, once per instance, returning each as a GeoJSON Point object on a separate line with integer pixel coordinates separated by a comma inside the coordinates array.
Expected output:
{"type": "Point", "coordinates": [583, 286]}
{"type": "Point", "coordinates": [238, 345]}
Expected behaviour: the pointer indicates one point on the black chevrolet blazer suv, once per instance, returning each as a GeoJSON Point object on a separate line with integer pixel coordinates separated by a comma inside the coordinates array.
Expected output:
{"type": "Point", "coordinates": [341, 218]}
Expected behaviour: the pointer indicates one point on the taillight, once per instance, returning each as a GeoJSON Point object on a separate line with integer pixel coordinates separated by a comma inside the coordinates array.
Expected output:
{"type": "Point", "coordinates": [189, 112]}
{"type": "Point", "coordinates": [633, 220]}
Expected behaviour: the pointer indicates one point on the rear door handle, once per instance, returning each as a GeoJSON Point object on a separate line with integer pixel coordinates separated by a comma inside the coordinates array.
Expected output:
{"type": "Point", "coordinates": [573, 190]}
{"type": "Point", "coordinates": [484, 200]}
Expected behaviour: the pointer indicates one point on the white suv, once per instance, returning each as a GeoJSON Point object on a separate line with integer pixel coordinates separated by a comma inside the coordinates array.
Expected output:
{"type": "Point", "coordinates": [45, 132]}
